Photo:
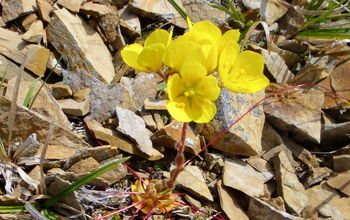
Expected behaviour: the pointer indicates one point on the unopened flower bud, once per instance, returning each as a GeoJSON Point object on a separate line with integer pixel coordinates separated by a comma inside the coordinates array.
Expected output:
{"type": "Point", "coordinates": [170, 184]}
{"type": "Point", "coordinates": [180, 159]}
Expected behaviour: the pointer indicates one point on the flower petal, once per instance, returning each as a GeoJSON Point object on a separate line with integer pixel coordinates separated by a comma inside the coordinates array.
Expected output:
{"type": "Point", "coordinates": [203, 110]}
{"type": "Point", "coordinates": [231, 35]}
{"type": "Point", "coordinates": [250, 86]}
{"type": "Point", "coordinates": [158, 36]}
{"type": "Point", "coordinates": [151, 57]}
{"type": "Point", "coordinates": [179, 109]}
{"type": "Point", "coordinates": [130, 54]}
{"type": "Point", "coordinates": [205, 55]}
{"type": "Point", "coordinates": [249, 63]}
{"type": "Point", "coordinates": [209, 88]}
{"type": "Point", "coordinates": [175, 86]}
{"type": "Point", "coordinates": [208, 28]}
{"type": "Point", "coordinates": [227, 59]}
{"type": "Point", "coordinates": [192, 72]}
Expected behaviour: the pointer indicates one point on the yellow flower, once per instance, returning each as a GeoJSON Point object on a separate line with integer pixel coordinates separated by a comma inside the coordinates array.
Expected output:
{"type": "Point", "coordinates": [241, 72]}
{"type": "Point", "coordinates": [191, 95]}
{"type": "Point", "coordinates": [150, 57]}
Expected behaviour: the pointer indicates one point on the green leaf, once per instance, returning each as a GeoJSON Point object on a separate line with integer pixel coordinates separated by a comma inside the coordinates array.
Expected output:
{"type": "Point", "coordinates": [3, 78]}
{"type": "Point", "coordinates": [161, 85]}
{"type": "Point", "coordinates": [30, 91]}
{"type": "Point", "coordinates": [12, 208]}
{"type": "Point", "coordinates": [331, 33]}
{"type": "Point", "coordinates": [79, 183]}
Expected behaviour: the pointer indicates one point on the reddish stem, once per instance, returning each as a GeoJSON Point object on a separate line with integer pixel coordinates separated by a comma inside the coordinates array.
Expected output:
{"type": "Point", "coordinates": [120, 210]}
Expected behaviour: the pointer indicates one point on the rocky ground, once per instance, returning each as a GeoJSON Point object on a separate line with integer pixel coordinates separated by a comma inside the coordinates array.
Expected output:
{"type": "Point", "coordinates": [286, 159]}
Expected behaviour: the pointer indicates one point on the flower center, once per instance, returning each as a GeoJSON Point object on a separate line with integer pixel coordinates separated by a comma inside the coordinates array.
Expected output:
{"type": "Point", "coordinates": [189, 93]}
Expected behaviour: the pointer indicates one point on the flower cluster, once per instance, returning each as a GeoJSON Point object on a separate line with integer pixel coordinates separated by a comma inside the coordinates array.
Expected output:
{"type": "Point", "coordinates": [190, 59]}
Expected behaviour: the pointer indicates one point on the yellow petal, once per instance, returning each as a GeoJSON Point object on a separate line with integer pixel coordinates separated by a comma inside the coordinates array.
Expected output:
{"type": "Point", "coordinates": [157, 36]}
{"type": "Point", "coordinates": [208, 28]}
{"type": "Point", "coordinates": [231, 35]}
{"type": "Point", "coordinates": [250, 86]}
{"type": "Point", "coordinates": [130, 54]}
{"type": "Point", "coordinates": [175, 86]}
{"type": "Point", "coordinates": [151, 57]}
{"type": "Point", "coordinates": [205, 55]}
{"type": "Point", "coordinates": [179, 109]}
{"type": "Point", "coordinates": [199, 38]}
{"type": "Point", "coordinates": [203, 110]}
{"type": "Point", "coordinates": [227, 59]}
{"type": "Point", "coordinates": [209, 88]}
{"type": "Point", "coordinates": [249, 63]}
{"type": "Point", "coordinates": [193, 72]}
{"type": "Point", "coordinates": [189, 23]}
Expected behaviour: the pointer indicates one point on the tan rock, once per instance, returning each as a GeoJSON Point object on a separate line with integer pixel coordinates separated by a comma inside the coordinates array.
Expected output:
{"type": "Point", "coordinates": [80, 45]}
{"type": "Point", "coordinates": [94, 9]}
{"type": "Point", "coordinates": [129, 22]}
{"type": "Point", "coordinates": [120, 3]}
{"type": "Point", "coordinates": [341, 182]}
{"type": "Point", "coordinates": [11, 42]}
{"type": "Point", "coordinates": [270, 138]}
{"type": "Point", "coordinates": [240, 175]}
{"type": "Point", "coordinates": [151, 104]}
{"type": "Point", "coordinates": [289, 187]}
{"type": "Point", "coordinates": [118, 140]}
{"type": "Point", "coordinates": [60, 90]}
{"type": "Point", "coordinates": [12, 70]}
{"type": "Point", "coordinates": [158, 119]}
{"type": "Point", "coordinates": [170, 135]}
{"type": "Point", "coordinates": [52, 61]}
{"type": "Point", "coordinates": [73, 6]}
{"type": "Point", "coordinates": [244, 137]}
{"type": "Point", "coordinates": [29, 20]}
{"type": "Point", "coordinates": [148, 118]}
{"type": "Point", "coordinates": [81, 95]}
{"type": "Point", "coordinates": [14, 9]}
{"type": "Point", "coordinates": [231, 202]}
{"type": "Point", "coordinates": [272, 11]}
{"type": "Point", "coordinates": [109, 24]}
{"type": "Point", "coordinates": [259, 164]}
{"type": "Point", "coordinates": [316, 175]}
{"type": "Point", "coordinates": [116, 173]}
{"type": "Point", "coordinates": [341, 163]}
{"type": "Point", "coordinates": [84, 166]}
{"type": "Point", "coordinates": [291, 22]}
{"type": "Point", "coordinates": [73, 108]}
{"type": "Point", "coordinates": [44, 103]}
{"type": "Point", "coordinates": [158, 10]}
{"type": "Point", "coordinates": [295, 110]}
{"type": "Point", "coordinates": [36, 33]}
{"type": "Point", "coordinates": [44, 10]}
{"type": "Point", "coordinates": [56, 152]}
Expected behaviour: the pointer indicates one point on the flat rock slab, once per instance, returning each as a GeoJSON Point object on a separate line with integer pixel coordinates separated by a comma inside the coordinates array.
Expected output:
{"type": "Point", "coordinates": [244, 137]}
{"type": "Point", "coordinates": [74, 108]}
{"type": "Point", "coordinates": [56, 152]}
{"type": "Point", "coordinates": [296, 110]}
{"type": "Point", "coordinates": [12, 9]}
{"type": "Point", "coordinates": [80, 45]}
{"type": "Point", "coordinates": [134, 127]}
{"type": "Point", "coordinates": [240, 175]}
{"type": "Point", "coordinates": [341, 182]}
{"type": "Point", "coordinates": [288, 185]}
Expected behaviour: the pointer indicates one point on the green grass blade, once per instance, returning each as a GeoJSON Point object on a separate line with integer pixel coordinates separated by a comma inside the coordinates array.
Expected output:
{"type": "Point", "coordinates": [331, 33]}
{"type": "Point", "coordinates": [237, 16]}
{"type": "Point", "coordinates": [3, 78]}
{"type": "Point", "coordinates": [12, 208]}
{"type": "Point", "coordinates": [79, 183]}
{"type": "Point", "coordinates": [180, 10]}
{"type": "Point", "coordinates": [161, 86]}
{"type": "Point", "coordinates": [222, 8]}
{"type": "Point", "coordinates": [37, 93]}
{"type": "Point", "coordinates": [30, 91]}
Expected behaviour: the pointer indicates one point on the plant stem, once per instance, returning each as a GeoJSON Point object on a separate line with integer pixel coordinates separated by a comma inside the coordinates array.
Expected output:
{"type": "Point", "coordinates": [180, 159]}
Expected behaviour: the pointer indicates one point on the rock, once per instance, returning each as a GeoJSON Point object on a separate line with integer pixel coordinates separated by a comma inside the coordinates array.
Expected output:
{"type": "Point", "coordinates": [158, 10]}
{"type": "Point", "coordinates": [116, 173]}
{"type": "Point", "coordinates": [129, 22]}
{"type": "Point", "coordinates": [73, 6]}
{"type": "Point", "coordinates": [134, 127]}
{"type": "Point", "coordinates": [193, 202]}
{"type": "Point", "coordinates": [143, 86]}
{"type": "Point", "coordinates": [151, 104]}
{"type": "Point", "coordinates": [240, 175]}
{"type": "Point", "coordinates": [118, 140]}
{"type": "Point", "coordinates": [108, 23]}
{"type": "Point", "coordinates": [74, 108]}
{"type": "Point", "coordinates": [271, 153]}
{"type": "Point", "coordinates": [341, 163]}
{"type": "Point", "coordinates": [12, 70]}
{"type": "Point", "coordinates": [260, 210]}
{"type": "Point", "coordinates": [231, 202]}
{"type": "Point", "coordinates": [56, 152]}
{"type": "Point", "coordinates": [44, 9]}
{"type": "Point", "coordinates": [29, 20]}
{"type": "Point", "coordinates": [60, 90]}
{"type": "Point", "coordinates": [244, 137]}
{"type": "Point", "coordinates": [80, 45]}
{"type": "Point", "coordinates": [148, 118]}
{"type": "Point", "coordinates": [81, 95]}
{"type": "Point", "coordinates": [120, 3]}
{"type": "Point", "coordinates": [27, 122]}
{"type": "Point", "coordinates": [341, 182]}
{"type": "Point", "coordinates": [213, 159]}
{"type": "Point", "coordinates": [291, 22]}
{"type": "Point", "coordinates": [35, 34]}
{"type": "Point", "coordinates": [270, 138]}
{"type": "Point", "coordinates": [170, 135]}
{"type": "Point", "coordinates": [295, 110]}
{"type": "Point", "coordinates": [277, 69]}
{"type": "Point", "coordinates": [11, 42]}
{"type": "Point", "coordinates": [94, 9]}
{"type": "Point", "coordinates": [84, 166]}
{"type": "Point", "coordinates": [316, 175]}
{"type": "Point", "coordinates": [271, 11]}
{"type": "Point", "coordinates": [103, 98]}
{"type": "Point", "coordinates": [340, 79]}
{"type": "Point", "coordinates": [159, 121]}
{"type": "Point", "coordinates": [13, 9]}
{"type": "Point", "coordinates": [189, 182]}
{"type": "Point", "coordinates": [52, 61]}
{"type": "Point", "coordinates": [44, 103]}
{"type": "Point", "coordinates": [289, 187]}
{"type": "Point", "coordinates": [259, 164]}
{"type": "Point", "coordinates": [200, 11]}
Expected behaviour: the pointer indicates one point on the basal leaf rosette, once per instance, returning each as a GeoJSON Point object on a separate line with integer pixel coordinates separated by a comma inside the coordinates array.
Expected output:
{"type": "Point", "coordinates": [148, 58]}
{"type": "Point", "coordinates": [241, 72]}
{"type": "Point", "coordinates": [191, 94]}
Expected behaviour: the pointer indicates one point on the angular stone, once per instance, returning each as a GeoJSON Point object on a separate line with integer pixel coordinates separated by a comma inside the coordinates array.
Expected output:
{"type": "Point", "coordinates": [12, 70]}
{"type": "Point", "coordinates": [316, 175]}
{"type": "Point", "coordinates": [271, 153]}
{"type": "Point", "coordinates": [118, 140]}
{"type": "Point", "coordinates": [151, 104]}
{"type": "Point", "coordinates": [213, 159]}
{"type": "Point", "coordinates": [240, 175]}
{"type": "Point", "coordinates": [103, 98]}
{"type": "Point", "coordinates": [289, 187]}
{"type": "Point", "coordinates": [44, 9]}
{"type": "Point", "coordinates": [158, 10]}
{"type": "Point", "coordinates": [80, 45]}
{"type": "Point", "coordinates": [260, 210]}
{"type": "Point", "coordinates": [74, 108]}
{"type": "Point", "coordinates": [231, 202]}
{"type": "Point", "coordinates": [295, 110]}
{"type": "Point", "coordinates": [60, 90]}
{"type": "Point", "coordinates": [28, 121]}
{"type": "Point", "coordinates": [275, 65]}
{"type": "Point", "coordinates": [270, 138]}
{"type": "Point", "coordinates": [108, 23]}
{"type": "Point", "coordinates": [73, 6]}
{"type": "Point", "coordinates": [244, 137]}
{"type": "Point", "coordinates": [94, 9]}
{"type": "Point", "coordinates": [259, 164]}
{"type": "Point", "coordinates": [129, 22]}
{"type": "Point", "coordinates": [13, 47]}
{"type": "Point", "coordinates": [170, 135]}
{"type": "Point", "coordinates": [341, 163]}
{"type": "Point", "coordinates": [29, 20]}
{"type": "Point", "coordinates": [13, 9]}
{"type": "Point", "coordinates": [44, 103]}
{"type": "Point", "coordinates": [56, 152]}
{"type": "Point", "coordinates": [84, 166]}
{"type": "Point", "coordinates": [52, 61]}
{"type": "Point", "coordinates": [272, 11]}
{"type": "Point", "coordinates": [291, 22]}
{"type": "Point", "coordinates": [148, 118]}
{"type": "Point", "coordinates": [134, 127]}
{"type": "Point", "coordinates": [116, 173]}
{"type": "Point", "coordinates": [35, 34]}
{"type": "Point", "coordinates": [159, 121]}
{"type": "Point", "coordinates": [81, 95]}
{"type": "Point", "coordinates": [341, 182]}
